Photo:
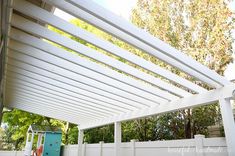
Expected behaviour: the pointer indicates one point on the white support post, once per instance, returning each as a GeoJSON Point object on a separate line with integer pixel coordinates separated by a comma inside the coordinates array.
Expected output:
{"type": "Point", "coordinates": [80, 141]}
{"type": "Point", "coordinates": [199, 144]}
{"type": "Point", "coordinates": [84, 149]}
{"type": "Point", "coordinates": [117, 138]}
{"type": "Point", "coordinates": [101, 148]}
{"type": "Point", "coordinates": [229, 125]}
{"type": "Point", "coordinates": [68, 149]}
{"type": "Point", "coordinates": [31, 141]}
{"type": "Point", "coordinates": [133, 147]}
{"type": "Point", "coordinates": [39, 142]}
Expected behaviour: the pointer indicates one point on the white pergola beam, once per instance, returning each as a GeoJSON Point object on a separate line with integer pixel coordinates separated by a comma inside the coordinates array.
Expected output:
{"type": "Point", "coordinates": [80, 102]}
{"type": "Point", "coordinates": [26, 60]}
{"type": "Point", "coordinates": [123, 102]}
{"type": "Point", "coordinates": [69, 88]}
{"type": "Point", "coordinates": [19, 78]}
{"type": "Point", "coordinates": [188, 102]}
{"type": "Point", "coordinates": [149, 39]}
{"type": "Point", "coordinates": [44, 16]}
{"type": "Point", "coordinates": [31, 101]}
{"type": "Point", "coordinates": [107, 76]}
{"type": "Point", "coordinates": [74, 103]}
{"type": "Point", "coordinates": [45, 111]}
{"type": "Point", "coordinates": [59, 88]}
{"type": "Point", "coordinates": [37, 107]}
{"type": "Point", "coordinates": [27, 94]}
{"type": "Point", "coordinates": [41, 31]}
{"type": "Point", "coordinates": [229, 124]}
{"type": "Point", "coordinates": [108, 22]}
{"type": "Point", "coordinates": [43, 100]}
{"type": "Point", "coordinates": [73, 80]}
{"type": "Point", "coordinates": [32, 57]}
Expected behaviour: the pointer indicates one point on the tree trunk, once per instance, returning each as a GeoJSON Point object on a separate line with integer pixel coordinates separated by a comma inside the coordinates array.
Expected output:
{"type": "Point", "coordinates": [145, 129]}
{"type": "Point", "coordinates": [66, 133]}
{"type": "Point", "coordinates": [188, 124]}
{"type": "Point", "coordinates": [194, 129]}
{"type": "Point", "coordinates": [16, 144]}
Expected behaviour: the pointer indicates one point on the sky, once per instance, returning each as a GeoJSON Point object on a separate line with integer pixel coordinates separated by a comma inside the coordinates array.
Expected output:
{"type": "Point", "coordinates": [123, 8]}
{"type": "Point", "coordinates": [119, 7]}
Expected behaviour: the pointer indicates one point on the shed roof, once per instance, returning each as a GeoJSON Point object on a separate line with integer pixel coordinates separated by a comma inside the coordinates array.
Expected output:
{"type": "Point", "coordinates": [43, 129]}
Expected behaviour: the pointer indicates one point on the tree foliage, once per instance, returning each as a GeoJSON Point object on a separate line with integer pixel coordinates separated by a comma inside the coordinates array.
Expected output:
{"type": "Point", "coordinates": [201, 29]}
{"type": "Point", "coordinates": [17, 122]}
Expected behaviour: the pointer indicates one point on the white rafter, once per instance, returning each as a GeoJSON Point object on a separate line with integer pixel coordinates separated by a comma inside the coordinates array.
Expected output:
{"type": "Point", "coordinates": [41, 31]}
{"type": "Point", "coordinates": [59, 23]}
{"type": "Point", "coordinates": [115, 25]}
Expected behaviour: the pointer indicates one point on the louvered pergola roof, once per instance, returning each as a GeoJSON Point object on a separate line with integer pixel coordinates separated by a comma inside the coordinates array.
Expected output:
{"type": "Point", "coordinates": [46, 79]}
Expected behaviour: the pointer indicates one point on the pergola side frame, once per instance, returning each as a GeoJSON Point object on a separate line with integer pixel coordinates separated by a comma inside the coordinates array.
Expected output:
{"type": "Point", "coordinates": [226, 92]}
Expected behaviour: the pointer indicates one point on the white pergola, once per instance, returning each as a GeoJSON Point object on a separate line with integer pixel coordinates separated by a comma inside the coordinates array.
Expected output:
{"type": "Point", "coordinates": [42, 78]}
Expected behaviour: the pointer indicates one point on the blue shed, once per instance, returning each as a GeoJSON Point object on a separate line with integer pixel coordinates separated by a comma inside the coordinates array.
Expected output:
{"type": "Point", "coordinates": [48, 143]}
{"type": "Point", "coordinates": [52, 144]}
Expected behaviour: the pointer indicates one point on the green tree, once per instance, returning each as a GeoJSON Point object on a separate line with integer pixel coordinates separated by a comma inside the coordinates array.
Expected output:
{"type": "Point", "coordinates": [17, 123]}
{"type": "Point", "coordinates": [105, 133]}
{"type": "Point", "coordinates": [202, 30]}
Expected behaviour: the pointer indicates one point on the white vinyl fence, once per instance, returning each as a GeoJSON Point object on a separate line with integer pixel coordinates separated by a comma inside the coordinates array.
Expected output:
{"type": "Point", "coordinates": [11, 153]}
{"type": "Point", "coordinates": [200, 146]}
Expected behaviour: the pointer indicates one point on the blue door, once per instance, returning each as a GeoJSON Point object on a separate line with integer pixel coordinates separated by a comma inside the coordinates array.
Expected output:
{"type": "Point", "coordinates": [52, 144]}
